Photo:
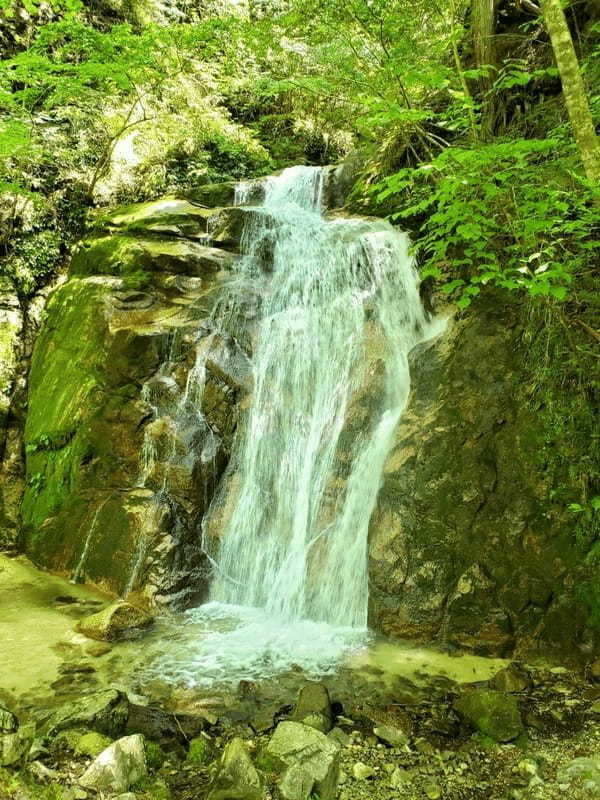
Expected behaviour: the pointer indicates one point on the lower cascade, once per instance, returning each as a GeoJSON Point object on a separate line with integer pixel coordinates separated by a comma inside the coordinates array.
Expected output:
{"type": "Point", "coordinates": [337, 307]}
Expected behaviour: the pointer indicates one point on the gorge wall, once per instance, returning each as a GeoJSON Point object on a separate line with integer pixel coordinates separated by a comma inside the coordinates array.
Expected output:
{"type": "Point", "coordinates": [463, 548]}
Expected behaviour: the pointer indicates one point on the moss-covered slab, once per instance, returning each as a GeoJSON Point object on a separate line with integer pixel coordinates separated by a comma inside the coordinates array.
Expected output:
{"type": "Point", "coordinates": [84, 514]}
{"type": "Point", "coordinates": [173, 216]}
{"type": "Point", "coordinates": [136, 259]}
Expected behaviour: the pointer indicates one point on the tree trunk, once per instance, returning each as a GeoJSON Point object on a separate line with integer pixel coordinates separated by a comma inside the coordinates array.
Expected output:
{"type": "Point", "coordinates": [573, 88]}
{"type": "Point", "coordinates": [483, 27]}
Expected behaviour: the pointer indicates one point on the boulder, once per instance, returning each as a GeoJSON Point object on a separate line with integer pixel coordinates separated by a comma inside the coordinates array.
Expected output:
{"type": "Point", "coordinates": [105, 712]}
{"type": "Point", "coordinates": [116, 621]}
{"type": "Point", "coordinates": [314, 707]}
{"type": "Point", "coordinates": [492, 713]}
{"type": "Point", "coordinates": [512, 678]}
{"type": "Point", "coordinates": [236, 778]}
{"type": "Point", "coordinates": [117, 767]}
{"type": "Point", "coordinates": [296, 783]}
{"type": "Point", "coordinates": [295, 744]}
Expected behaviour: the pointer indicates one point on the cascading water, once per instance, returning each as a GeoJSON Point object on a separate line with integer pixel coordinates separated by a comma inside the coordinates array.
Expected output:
{"type": "Point", "coordinates": [339, 301]}
{"type": "Point", "coordinates": [327, 279]}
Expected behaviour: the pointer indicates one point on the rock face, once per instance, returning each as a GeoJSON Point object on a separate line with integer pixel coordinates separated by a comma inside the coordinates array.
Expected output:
{"type": "Point", "coordinates": [122, 764]}
{"type": "Point", "coordinates": [113, 391]}
{"type": "Point", "coordinates": [116, 621]}
{"type": "Point", "coordinates": [462, 547]}
{"type": "Point", "coordinates": [134, 400]}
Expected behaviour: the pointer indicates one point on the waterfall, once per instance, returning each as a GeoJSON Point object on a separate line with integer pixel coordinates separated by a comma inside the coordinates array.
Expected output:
{"type": "Point", "coordinates": [331, 288]}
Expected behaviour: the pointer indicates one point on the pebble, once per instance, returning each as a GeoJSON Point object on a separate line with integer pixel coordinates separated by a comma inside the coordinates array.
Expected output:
{"type": "Point", "coordinates": [362, 771]}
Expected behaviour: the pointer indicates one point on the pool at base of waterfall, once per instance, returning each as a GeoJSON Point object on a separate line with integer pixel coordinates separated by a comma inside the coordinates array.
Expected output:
{"type": "Point", "coordinates": [211, 651]}
{"type": "Point", "coordinates": [220, 644]}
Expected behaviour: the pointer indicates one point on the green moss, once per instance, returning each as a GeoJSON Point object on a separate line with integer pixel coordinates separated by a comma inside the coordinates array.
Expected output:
{"type": "Point", "coordinates": [65, 389]}
{"type": "Point", "coordinates": [199, 751]}
{"type": "Point", "coordinates": [92, 744]}
{"type": "Point", "coordinates": [154, 755]}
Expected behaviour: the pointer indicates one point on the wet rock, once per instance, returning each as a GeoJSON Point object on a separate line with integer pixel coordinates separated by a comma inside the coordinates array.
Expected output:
{"type": "Point", "coordinates": [116, 621]}
{"type": "Point", "coordinates": [42, 773]}
{"type": "Point", "coordinates": [105, 712]}
{"type": "Point", "coordinates": [390, 735]}
{"type": "Point", "coordinates": [97, 649]}
{"type": "Point", "coordinates": [117, 767]}
{"type": "Point", "coordinates": [237, 778]}
{"type": "Point", "coordinates": [314, 707]}
{"type": "Point", "coordinates": [92, 744]}
{"type": "Point", "coordinates": [512, 678]}
{"type": "Point", "coordinates": [296, 744]}
{"type": "Point", "coordinates": [492, 713]}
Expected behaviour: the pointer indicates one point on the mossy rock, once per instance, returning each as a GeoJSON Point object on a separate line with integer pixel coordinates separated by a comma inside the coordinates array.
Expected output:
{"type": "Point", "coordinates": [214, 194]}
{"type": "Point", "coordinates": [91, 744]}
{"type": "Point", "coordinates": [492, 713]}
{"type": "Point", "coordinates": [116, 621]}
{"type": "Point", "coordinates": [137, 259]}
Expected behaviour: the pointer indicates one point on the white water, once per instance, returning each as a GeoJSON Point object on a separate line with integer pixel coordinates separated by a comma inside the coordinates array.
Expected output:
{"type": "Point", "coordinates": [338, 310]}
{"type": "Point", "coordinates": [291, 547]}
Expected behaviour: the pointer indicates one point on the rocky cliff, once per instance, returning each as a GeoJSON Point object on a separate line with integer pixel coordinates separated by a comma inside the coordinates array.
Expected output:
{"type": "Point", "coordinates": [464, 548]}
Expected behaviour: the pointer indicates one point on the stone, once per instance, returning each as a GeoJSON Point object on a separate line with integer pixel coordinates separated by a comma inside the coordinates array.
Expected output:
{"type": "Point", "coordinates": [91, 744]}
{"type": "Point", "coordinates": [97, 649]}
{"type": "Point", "coordinates": [159, 725]}
{"type": "Point", "coordinates": [296, 783]}
{"type": "Point", "coordinates": [339, 736]}
{"type": "Point", "coordinates": [8, 721]}
{"type": "Point", "coordinates": [105, 712]}
{"type": "Point", "coordinates": [119, 766]}
{"type": "Point", "coordinates": [595, 669]}
{"type": "Point", "coordinates": [236, 778]}
{"type": "Point", "coordinates": [362, 771]}
{"type": "Point", "coordinates": [15, 746]}
{"type": "Point", "coordinates": [492, 713]}
{"type": "Point", "coordinates": [432, 790]}
{"type": "Point", "coordinates": [399, 777]}
{"type": "Point", "coordinates": [313, 707]}
{"type": "Point", "coordinates": [390, 735]}
{"type": "Point", "coordinates": [296, 744]}
{"type": "Point", "coordinates": [116, 621]}
{"type": "Point", "coordinates": [512, 678]}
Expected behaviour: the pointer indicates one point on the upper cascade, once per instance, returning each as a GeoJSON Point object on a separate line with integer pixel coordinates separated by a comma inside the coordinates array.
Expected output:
{"type": "Point", "coordinates": [296, 541]}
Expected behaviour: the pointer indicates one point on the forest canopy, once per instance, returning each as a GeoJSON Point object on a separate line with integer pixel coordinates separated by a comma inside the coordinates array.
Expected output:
{"type": "Point", "coordinates": [461, 129]}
